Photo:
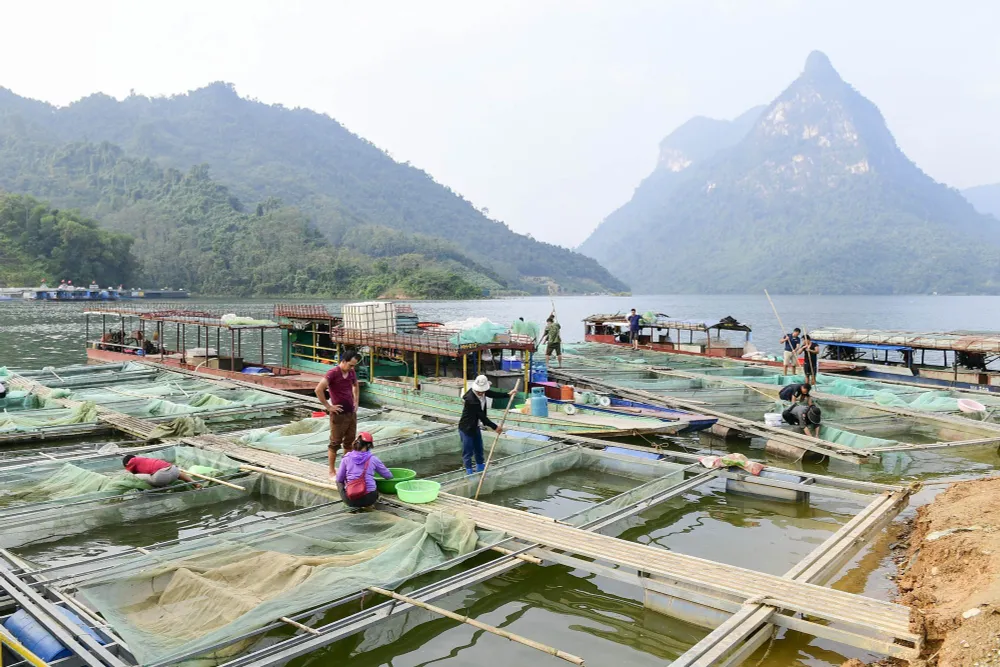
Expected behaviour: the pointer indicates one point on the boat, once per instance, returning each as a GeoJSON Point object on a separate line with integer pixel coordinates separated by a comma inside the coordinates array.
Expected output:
{"type": "Point", "coordinates": [424, 368]}
{"type": "Point", "coordinates": [130, 332]}
{"type": "Point", "coordinates": [430, 368]}
{"type": "Point", "coordinates": [661, 333]}
{"type": "Point", "coordinates": [965, 359]}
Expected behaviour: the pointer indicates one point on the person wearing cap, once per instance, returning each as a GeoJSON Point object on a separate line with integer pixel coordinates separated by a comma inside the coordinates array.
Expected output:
{"type": "Point", "coordinates": [806, 417]}
{"type": "Point", "coordinates": [359, 462]}
{"type": "Point", "coordinates": [473, 414]}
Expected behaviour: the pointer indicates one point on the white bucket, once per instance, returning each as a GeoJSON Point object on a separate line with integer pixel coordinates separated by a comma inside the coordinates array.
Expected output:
{"type": "Point", "coordinates": [773, 419]}
{"type": "Point", "coordinates": [968, 405]}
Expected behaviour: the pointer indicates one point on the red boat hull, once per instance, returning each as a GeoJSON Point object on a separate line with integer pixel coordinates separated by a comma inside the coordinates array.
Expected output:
{"type": "Point", "coordinates": [287, 380]}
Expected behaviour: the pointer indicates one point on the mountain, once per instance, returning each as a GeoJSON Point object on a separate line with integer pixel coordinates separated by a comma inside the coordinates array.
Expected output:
{"type": "Point", "coordinates": [347, 187]}
{"type": "Point", "coordinates": [815, 198]}
{"type": "Point", "coordinates": [186, 229]}
{"type": "Point", "coordinates": [985, 198]}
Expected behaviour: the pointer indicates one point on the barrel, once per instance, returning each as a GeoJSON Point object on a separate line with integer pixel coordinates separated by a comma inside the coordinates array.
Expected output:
{"type": "Point", "coordinates": [38, 640]}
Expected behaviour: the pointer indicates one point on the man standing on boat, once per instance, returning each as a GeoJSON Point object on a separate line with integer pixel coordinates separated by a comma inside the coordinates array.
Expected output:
{"type": "Point", "coordinates": [792, 342]}
{"type": "Point", "coordinates": [553, 339]}
{"type": "Point", "coordinates": [473, 414]}
{"type": "Point", "coordinates": [633, 329]}
{"type": "Point", "coordinates": [341, 387]}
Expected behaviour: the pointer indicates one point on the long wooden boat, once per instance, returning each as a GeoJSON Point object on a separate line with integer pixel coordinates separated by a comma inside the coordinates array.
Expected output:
{"type": "Point", "coordinates": [961, 359]}
{"type": "Point", "coordinates": [667, 335]}
{"type": "Point", "coordinates": [141, 333]}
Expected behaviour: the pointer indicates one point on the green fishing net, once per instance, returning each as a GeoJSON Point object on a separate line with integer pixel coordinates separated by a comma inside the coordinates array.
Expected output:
{"type": "Point", "coordinates": [209, 590]}
{"type": "Point", "coordinates": [481, 333]}
{"type": "Point", "coordinates": [310, 436]}
{"type": "Point", "coordinates": [31, 420]}
{"type": "Point", "coordinates": [29, 526]}
{"type": "Point", "coordinates": [94, 478]}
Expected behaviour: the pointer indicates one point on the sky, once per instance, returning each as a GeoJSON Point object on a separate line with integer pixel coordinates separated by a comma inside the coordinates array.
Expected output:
{"type": "Point", "coordinates": [547, 113]}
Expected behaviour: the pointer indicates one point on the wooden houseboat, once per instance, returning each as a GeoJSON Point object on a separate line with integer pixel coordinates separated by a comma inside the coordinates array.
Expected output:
{"type": "Point", "coordinates": [965, 359]}
{"type": "Point", "coordinates": [193, 340]}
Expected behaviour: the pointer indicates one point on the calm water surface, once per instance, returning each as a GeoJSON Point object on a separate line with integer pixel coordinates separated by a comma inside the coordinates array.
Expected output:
{"type": "Point", "coordinates": [34, 334]}
{"type": "Point", "coordinates": [604, 621]}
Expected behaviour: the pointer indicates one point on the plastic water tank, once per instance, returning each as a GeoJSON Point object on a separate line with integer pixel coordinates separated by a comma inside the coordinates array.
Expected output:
{"type": "Point", "coordinates": [539, 403]}
{"type": "Point", "coordinates": [37, 639]}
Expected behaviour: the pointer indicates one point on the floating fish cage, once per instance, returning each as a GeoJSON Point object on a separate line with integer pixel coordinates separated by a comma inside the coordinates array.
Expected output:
{"type": "Point", "coordinates": [620, 553]}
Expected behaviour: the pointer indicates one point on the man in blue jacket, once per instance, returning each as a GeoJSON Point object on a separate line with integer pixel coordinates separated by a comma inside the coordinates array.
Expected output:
{"type": "Point", "coordinates": [474, 413]}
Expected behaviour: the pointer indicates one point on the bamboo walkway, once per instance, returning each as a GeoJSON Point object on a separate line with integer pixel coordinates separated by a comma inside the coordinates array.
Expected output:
{"type": "Point", "coordinates": [886, 621]}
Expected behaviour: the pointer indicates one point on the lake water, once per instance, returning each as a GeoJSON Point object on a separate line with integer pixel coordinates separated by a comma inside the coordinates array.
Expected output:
{"type": "Point", "coordinates": [35, 334]}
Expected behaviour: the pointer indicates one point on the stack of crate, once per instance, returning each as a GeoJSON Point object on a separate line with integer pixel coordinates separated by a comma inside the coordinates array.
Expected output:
{"type": "Point", "coordinates": [370, 316]}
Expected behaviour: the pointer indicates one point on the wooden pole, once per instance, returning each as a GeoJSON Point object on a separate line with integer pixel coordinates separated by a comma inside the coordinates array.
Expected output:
{"type": "Point", "coordinates": [296, 624]}
{"type": "Point", "coordinates": [795, 357]}
{"type": "Point", "coordinates": [510, 400]}
{"type": "Point", "coordinates": [482, 626]}
{"type": "Point", "coordinates": [285, 475]}
{"type": "Point", "coordinates": [212, 479]}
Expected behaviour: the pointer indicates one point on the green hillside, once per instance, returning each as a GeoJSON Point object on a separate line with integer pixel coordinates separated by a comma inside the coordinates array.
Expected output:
{"type": "Point", "coordinates": [340, 181]}
{"type": "Point", "coordinates": [189, 231]}
{"type": "Point", "coordinates": [39, 243]}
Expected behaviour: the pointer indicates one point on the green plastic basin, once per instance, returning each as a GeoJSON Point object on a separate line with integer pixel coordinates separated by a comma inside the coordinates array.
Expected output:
{"type": "Point", "coordinates": [398, 475]}
{"type": "Point", "coordinates": [417, 491]}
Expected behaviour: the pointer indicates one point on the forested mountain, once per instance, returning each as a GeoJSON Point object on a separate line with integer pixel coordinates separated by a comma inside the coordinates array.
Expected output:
{"type": "Point", "coordinates": [985, 198]}
{"type": "Point", "coordinates": [815, 198]}
{"type": "Point", "coordinates": [190, 231]}
{"type": "Point", "coordinates": [352, 192]}
{"type": "Point", "coordinates": [41, 243]}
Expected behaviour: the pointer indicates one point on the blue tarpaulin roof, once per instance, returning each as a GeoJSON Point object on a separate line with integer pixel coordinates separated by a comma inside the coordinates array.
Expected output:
{"type": "Point", "coordinates": [866, 346]}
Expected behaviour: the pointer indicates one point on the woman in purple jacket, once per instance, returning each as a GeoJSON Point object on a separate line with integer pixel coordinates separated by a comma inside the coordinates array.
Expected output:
{"type": "Point", "coordinates": [361, 462]}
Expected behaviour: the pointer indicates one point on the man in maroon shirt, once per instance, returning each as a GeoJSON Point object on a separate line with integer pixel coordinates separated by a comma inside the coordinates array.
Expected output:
{"type": "Point", "coordinates": [341, 387]}
{"type": "Point", "coordinates": [155, 472]}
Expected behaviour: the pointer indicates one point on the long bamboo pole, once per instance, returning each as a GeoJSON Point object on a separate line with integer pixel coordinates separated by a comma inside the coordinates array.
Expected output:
{"type": "Point", "coordinates": [482, 626]}
{"type": "Point", "coordinates": [784, 332]}
{"type": "Point", "coordinates": [294, 478]}
{"type": "Point", "coordinates": [212, 479]}
{"type": "Point", "coordinates": [489, 458]}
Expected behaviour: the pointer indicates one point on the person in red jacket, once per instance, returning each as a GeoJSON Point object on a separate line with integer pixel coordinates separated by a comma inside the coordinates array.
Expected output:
{"type": "Point", "coordinates": [155, 472]}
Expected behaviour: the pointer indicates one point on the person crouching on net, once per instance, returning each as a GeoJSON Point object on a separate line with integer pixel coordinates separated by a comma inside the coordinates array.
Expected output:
{"type": "Point", "coordinates": [155, 472]}
{"type": "Point", "coordinates": [356, 475]}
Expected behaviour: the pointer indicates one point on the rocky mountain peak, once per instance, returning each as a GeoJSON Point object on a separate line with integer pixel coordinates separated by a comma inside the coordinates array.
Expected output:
{"type": "Point", "coordinates": [819, 65]}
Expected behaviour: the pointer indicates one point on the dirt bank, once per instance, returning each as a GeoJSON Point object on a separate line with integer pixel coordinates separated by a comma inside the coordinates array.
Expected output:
{"type": "Point", "coordinates": [951, 575]}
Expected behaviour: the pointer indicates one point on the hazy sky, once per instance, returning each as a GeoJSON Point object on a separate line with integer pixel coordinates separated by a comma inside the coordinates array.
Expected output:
{"type": "Point", "coordinates": [547, 112]}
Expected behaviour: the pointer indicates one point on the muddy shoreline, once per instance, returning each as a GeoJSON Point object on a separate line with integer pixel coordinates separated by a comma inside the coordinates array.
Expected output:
{"type": "Point", "coordinates": [949, 574]}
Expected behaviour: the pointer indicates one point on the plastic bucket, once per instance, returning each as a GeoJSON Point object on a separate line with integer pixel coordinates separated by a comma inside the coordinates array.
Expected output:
{"type": "Point", "coordinates": [968, 405]}
{"type": "Point", "coordinates": [398, 475]}
{"type": "Point", "coordinates": [773, 419]}
{"type": "Point", "coordinates": [418, 491]}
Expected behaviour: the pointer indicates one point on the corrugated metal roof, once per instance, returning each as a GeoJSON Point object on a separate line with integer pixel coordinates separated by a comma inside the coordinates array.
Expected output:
{"type": "Point", "coordinates": [987, 342]}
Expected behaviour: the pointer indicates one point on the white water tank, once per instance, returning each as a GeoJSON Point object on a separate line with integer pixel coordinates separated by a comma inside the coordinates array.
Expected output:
{"type": "Point", "coordinates": [370, 316]}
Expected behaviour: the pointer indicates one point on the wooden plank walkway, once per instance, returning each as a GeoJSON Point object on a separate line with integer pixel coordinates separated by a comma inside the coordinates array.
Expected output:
{"type": "Point", "coordinates": [887, 620]}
